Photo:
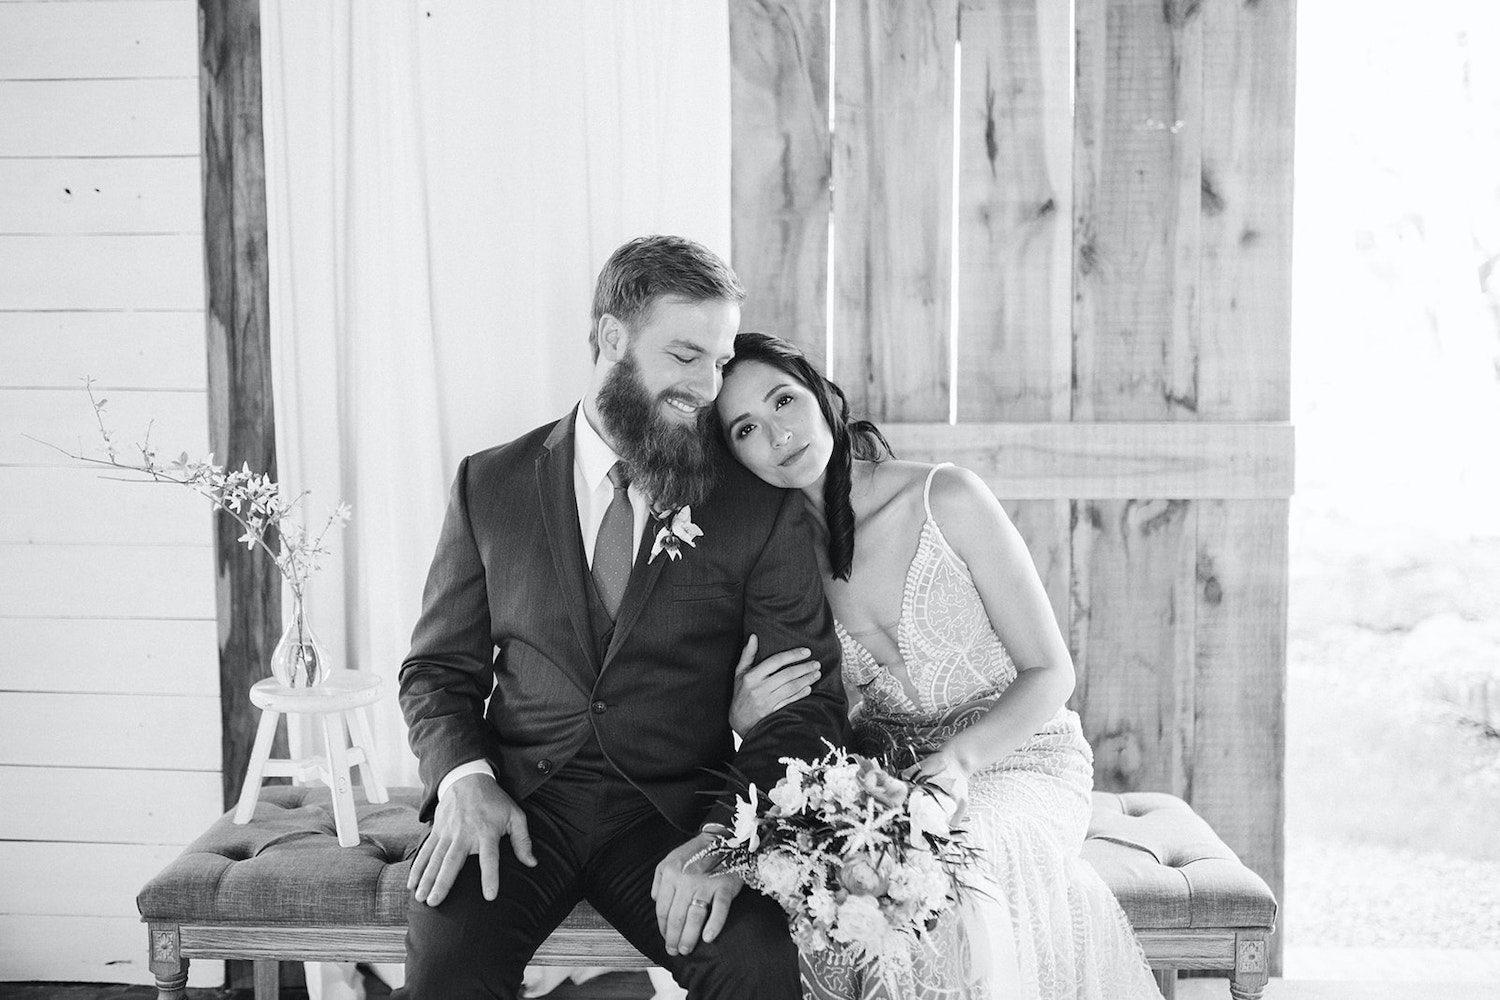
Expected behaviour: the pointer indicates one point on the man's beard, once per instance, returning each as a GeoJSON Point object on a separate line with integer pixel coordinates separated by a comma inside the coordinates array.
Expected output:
{"type": "Point", "coordinates": [673, 463]}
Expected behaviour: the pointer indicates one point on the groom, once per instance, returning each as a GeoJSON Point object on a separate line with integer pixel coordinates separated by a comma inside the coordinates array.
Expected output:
{"type": "Point", "coordinates": [569, 681]}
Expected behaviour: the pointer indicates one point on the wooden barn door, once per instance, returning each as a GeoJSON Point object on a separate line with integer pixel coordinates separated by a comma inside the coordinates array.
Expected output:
{"type": "Point", "coordinates": [1089, 306]}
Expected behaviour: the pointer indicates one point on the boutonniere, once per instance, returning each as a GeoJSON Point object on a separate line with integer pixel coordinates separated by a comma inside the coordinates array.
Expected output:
{"type": "Point", "coordinates": [676, 527]}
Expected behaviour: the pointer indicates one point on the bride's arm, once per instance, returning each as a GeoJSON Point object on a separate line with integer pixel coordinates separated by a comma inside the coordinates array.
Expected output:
{"type": "Point", "coordinates": [978, 529]}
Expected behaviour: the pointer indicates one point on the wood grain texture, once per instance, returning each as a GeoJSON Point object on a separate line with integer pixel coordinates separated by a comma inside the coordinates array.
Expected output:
{"type": "Point", "coordinates": [1111, 461]}
{"type": "Point", "coordinates": [90, 880]}
{"type": "Point", "coordinates": [781, 165]}
{"type": "Point", "coordinates": [1132, 638]}
{"type": "Point", "coordinates": [100, 195]}
{"type": "Point", "coordinates": [1015, 204]}
{"type": "Point", "coordinates": [1189, 949]}
{"type": "Point", "coordinates": [99, 117]}
{"type": "Point", "coordinates": [1245, 273]}
{"type": "Point", "coordinates": [127, 38]}
{"type": "Point", "coordinates": [172, 422]}
{"type": "Point", "coordinates": [80, 507]}
{"type": "Point", "coordinates": [1240, 679]}
{"type": "Point", "coordinates": [145, 731]}
{"type": "Point", "coordinates": [567, 946]}
{"type": "Point", "coordinates": [111, 656]}
{"type": "Point", "coordinates": [893, 181]}
{"type": "Point", "coordinates": [1136, 180]}
{"type": "Point", "coordinates": [106, 581]}
{"type": "Point", "coordinates": [85, 950]}
{"type": "Point", "coordinates": [120, 350]}
{"type": "Point", "coordinates": [109, 805]}
{"type": "Point", "coordinates": [242, 424]}
{"type": "Point", "coordinates": [73, 272]}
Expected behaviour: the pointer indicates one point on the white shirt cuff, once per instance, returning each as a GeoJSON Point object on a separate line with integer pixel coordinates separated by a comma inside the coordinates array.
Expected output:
{"type": "Point", "coordinates": [463, 771]}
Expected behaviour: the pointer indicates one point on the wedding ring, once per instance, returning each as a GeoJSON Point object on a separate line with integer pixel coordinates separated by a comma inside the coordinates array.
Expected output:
{"type": "Point", "coordinates": [699, 902]}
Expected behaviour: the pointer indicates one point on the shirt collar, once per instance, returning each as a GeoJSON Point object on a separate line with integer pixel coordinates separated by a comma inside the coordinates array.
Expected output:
{"type": "Point", "coordinates": [591, 453]}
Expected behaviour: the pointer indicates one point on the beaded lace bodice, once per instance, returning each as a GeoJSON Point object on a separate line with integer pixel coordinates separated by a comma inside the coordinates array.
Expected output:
{"type": "Point", "coordinates": [951, 654]}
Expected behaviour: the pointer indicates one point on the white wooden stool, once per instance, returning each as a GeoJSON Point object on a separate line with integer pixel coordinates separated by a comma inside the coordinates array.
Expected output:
{"type": "Point", "coordinates": [339, 700]}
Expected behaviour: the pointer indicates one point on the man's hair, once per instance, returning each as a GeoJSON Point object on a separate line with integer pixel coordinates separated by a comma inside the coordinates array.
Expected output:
{"type": "Point", "coordinates": [648, 267]}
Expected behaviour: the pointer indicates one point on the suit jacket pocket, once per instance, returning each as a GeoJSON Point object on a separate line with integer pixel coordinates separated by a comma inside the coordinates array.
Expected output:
{"type": "Point", "coordinates": [704, 591]}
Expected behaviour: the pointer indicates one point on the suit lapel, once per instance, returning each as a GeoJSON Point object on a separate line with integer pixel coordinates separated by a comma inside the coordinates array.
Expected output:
{"type": "Point", "coordinates": [638, 590]}
{"type": "Point", "coordinates": [554, 479]}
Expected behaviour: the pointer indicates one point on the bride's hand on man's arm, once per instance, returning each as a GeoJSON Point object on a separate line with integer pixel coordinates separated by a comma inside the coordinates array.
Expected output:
{"type": "Point", "coordinates": [773, 683]}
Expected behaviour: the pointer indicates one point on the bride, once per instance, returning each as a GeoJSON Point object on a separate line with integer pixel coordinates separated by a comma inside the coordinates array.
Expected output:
{"type": "Point", "coordinates": [949, 639]}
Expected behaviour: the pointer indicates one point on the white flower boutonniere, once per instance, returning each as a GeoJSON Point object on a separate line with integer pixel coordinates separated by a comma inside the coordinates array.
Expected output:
{"type": "Point", "coordinates": [676, 527]}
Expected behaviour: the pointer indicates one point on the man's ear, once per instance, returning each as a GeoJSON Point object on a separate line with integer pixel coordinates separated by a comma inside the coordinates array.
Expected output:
{"type": "Point", "coordinates": [614, 338]}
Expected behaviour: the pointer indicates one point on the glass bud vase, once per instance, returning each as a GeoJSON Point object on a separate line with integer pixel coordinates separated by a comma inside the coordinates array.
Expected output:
{"type": "Point", "coordinates": [298, 660]}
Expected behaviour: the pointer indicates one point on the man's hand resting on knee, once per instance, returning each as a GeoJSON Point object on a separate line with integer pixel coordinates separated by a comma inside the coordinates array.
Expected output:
{"type": "Point", "coordinates": [471, 818]}
{"type": "Point", "coordinates": [691, 904]}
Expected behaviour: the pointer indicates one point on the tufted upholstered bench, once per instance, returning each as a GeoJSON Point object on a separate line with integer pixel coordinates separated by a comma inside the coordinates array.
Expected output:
{"type": "Point", "coordinates": [281, 888]}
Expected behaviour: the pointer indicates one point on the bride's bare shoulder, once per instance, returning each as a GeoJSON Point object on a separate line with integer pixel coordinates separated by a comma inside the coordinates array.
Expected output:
{"type": "Point", "coordinates": [900, 486]}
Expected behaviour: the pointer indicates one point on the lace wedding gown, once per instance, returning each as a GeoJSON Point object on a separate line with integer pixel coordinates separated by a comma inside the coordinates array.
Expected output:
{"type": "Point", "coordinates": [1046, 927]}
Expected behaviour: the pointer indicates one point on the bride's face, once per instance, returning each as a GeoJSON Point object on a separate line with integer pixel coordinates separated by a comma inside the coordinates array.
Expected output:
{"type": "Point", "coordinates": [774, 425]}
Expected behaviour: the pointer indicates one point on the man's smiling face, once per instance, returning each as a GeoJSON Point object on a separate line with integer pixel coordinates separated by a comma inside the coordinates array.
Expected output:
{"type": "Point", "coordinates": [656, 399]}
{"type": "Point", "coordinates": [680, 349]}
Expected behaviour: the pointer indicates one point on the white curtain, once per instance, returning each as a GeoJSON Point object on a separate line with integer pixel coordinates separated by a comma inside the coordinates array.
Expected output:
{"type": "Point", "coordinates": [444, 181]}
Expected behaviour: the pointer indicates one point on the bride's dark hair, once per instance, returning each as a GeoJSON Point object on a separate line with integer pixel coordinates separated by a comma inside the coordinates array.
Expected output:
{"type": "Point", "coordinates": [851, 438]}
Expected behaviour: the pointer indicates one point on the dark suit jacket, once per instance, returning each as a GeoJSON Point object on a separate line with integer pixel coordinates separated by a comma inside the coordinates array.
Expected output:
{"type": "Point", "coordinates": [506, 606]}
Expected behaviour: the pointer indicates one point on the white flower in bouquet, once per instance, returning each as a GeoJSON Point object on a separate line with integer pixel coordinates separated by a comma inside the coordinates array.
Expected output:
{"type": "Point", "coordinates": [788, 795]}
{"type": "Point", "coordinates": [929, 816]}
{"type": "Point", "coordinates": [822, 906]}
{"type": "Point", "coordinates": [841, 785]}
{"type": "Point", "coordinates": [861, 923]}
{"type": "Point", "coordinates": [746, 830]}
{"type": "Point", "coordinates": [783, 875]}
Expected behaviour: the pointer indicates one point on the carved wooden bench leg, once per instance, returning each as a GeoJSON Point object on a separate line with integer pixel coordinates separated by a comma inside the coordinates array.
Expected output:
{"type": "Point", "coordinates": [1166, 982]}
{"type": "Point", "coordinates": [167, 963]}
{"type": "Point", "coordinates": [1251, 971]}
{"type": "Point", "coordinates": [267, 979]}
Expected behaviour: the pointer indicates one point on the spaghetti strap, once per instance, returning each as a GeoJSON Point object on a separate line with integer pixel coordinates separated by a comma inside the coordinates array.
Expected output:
{"type": "Point", "coordinates": [927, 488]}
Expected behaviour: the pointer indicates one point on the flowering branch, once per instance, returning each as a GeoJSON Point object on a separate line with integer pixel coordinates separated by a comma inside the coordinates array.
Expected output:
{"type": "Point", "coordinates": [252, 499]}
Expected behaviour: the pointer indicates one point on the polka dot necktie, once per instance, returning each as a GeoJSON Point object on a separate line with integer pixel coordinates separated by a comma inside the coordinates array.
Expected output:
{"type": "Point", "coordinates": [614, 551]}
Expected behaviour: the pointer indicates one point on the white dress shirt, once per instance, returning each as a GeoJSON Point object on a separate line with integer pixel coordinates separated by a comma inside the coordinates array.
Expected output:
{"type": "Point", "coordinates": [592, 460]}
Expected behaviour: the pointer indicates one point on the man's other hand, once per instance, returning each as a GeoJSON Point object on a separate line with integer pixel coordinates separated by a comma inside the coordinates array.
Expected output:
{"type": "Point", "coordinates": [691, 904]}
{"type": "Point", "coordinates": [472, 818]}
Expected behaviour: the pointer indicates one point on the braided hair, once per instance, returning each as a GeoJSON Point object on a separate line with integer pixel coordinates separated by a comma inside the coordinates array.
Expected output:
{"type": "Point", "coordinates": [852, 439]}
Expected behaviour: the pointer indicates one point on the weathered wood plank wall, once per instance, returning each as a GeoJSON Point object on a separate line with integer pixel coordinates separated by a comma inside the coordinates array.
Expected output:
{"type": "Point", "coordinates": [109, 748]}
{"type": "Point", "coordinates": [781, 162]}
{"type": "Point", "coordinates": [242, 414]}
{"type": "Point", "coordinates": [1120, 373]}
{"type": "Point", "coordinates": [893, 191]}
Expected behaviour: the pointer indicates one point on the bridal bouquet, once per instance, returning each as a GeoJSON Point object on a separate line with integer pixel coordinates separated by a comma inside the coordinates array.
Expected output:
{"type": "Point", "coordinates": [856, 857]}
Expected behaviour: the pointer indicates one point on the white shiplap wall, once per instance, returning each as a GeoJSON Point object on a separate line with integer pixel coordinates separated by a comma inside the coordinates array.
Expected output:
{"type": "Point", "coordinates": [109, 706]}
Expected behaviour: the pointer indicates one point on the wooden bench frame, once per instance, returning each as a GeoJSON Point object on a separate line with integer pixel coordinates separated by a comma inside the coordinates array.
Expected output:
{"type": "Point", "coordinates": [1242, 951]}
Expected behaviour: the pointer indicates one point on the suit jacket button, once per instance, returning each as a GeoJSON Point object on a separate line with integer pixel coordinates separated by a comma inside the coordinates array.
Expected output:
{"type": "Point", "coordinates": [544, 765]}
{"type": "Point", "coordinates": [598, 707]}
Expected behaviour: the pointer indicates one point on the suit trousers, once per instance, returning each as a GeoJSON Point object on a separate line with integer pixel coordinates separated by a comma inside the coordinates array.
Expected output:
{"type": "Point", "coordinates": [598, 838]}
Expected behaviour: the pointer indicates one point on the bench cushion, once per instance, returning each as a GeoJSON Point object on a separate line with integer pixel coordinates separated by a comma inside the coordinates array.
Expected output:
{"type": "Point", "coordinates": [1169, 869]}
{"type": "Point", "coordinates": [286, 866]}
{"type": "Point", "coordinates": [1163, 862]}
